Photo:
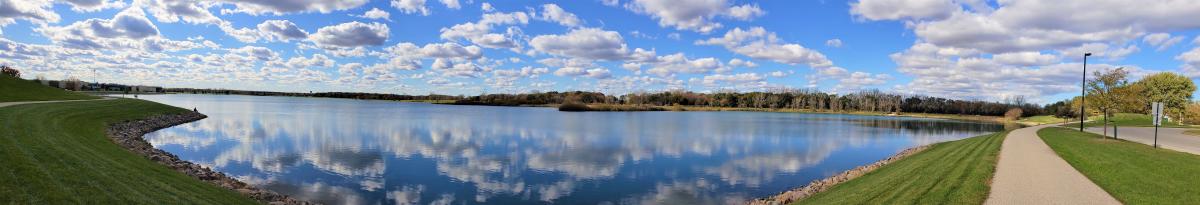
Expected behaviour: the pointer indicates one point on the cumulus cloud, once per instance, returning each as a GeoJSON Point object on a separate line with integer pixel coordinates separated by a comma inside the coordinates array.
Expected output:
{"type": "Point", "coordinates": [740, 78]}
{"type": "Point", "coordinates": [256, 52]}
{"type": "Point", "coordinates": [94, 5]}
{"type": "Point", "coordinates": [587, 43]}
{"type": "Point", "coordinates": [258, 7]}
{"type": "Point", "coordinates": [480, 32]}
{"type": "Point", "coordinates": [1162, 40]}
{"type": "Point", "coordinates": [836, 43]}
{"type": "Point", "coordinates": [757, 43]}
{"type": "Point", "coordinates": [553, 13]}
{"type": "Point", "coordinates": [351, 34]}
{"type": "Point", "coordinates": [1025, 58]}
{"type": "Point", "coordinates": [376, 13]}
{"type": "Point", "coordinates": [678, 63]}
{"type": "Point", "coordinates": [903, 9]}
{"type": "Point", "coordinates": [282, 30]}
{"type": "Point", "coordinates": [37, 11]}
{"type": "Point", "coordinates": [418, 6]}
{"type": "Point", "coordinates": [597, 73]}
{"type": "Point", "coordinates": [129, 29]}
{"type": "Point", "coordinates": [693, 15]}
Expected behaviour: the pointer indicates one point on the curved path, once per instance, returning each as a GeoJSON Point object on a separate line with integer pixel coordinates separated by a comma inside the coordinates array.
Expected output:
{"type": "Point", "coordinates": [6, 104]}
{"type": "Point", "coordinates": [1029, 172]}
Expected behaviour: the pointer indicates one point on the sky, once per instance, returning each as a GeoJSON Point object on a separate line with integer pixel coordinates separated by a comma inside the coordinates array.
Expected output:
{"type": "Point", "coordinates": [962, 49]}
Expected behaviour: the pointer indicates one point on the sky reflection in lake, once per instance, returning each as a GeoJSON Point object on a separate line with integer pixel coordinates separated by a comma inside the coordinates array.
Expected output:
{"type": "Point", "coordinates": [339, 151]}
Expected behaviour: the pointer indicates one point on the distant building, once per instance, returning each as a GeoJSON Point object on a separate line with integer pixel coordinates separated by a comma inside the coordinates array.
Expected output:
{"type": "Point", "coordinates": [145, 89]}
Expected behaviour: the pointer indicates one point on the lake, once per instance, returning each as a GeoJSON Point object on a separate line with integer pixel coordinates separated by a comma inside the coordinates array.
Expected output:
{"type": "Point", "coordinates": [342, 151]}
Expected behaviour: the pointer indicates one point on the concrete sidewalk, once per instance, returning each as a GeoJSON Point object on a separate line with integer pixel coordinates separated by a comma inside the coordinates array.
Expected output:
{"type": "Point", "coordinates": [1170, 138]}
{"type": "Point", "coordinates": [1029, 172]}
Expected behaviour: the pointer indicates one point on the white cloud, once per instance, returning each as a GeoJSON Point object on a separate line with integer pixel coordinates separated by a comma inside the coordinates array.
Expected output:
{"type": "Point", "coordinates": [836, 43]}
{"type": "Point", "coordinates": [1025, 58]}
{"type": "Point", "coordinates": [746, 12]}
{"type": "Point", "coordinates": [171, 11]}
{"type": "Point", "coordinates": [127, 30]}
{"type": "Point", "coordinates": [256, 52]}
{"type": "Point", "coordinates": [742, 63]}
{"type": "Point", "coordinates": [376, 13]}
{"type": "Point", "coordinates": [1162, 40]}
{"type": "Point", "coordinates": [451, 50]}
{"type": "Point", "coordinates": [258, 7]}
{"type": "Point", "coordinates": [480, 32]}
{"type": "Point", "coordinates": [486, 7]}
{"type": "Point", "coordinates": [282, 30]}
{"type": "Point", "coordinates": [411, 6]}
{"type": "Point", "coordinates": [94, 5]}
{"type": "Point", "coordinates": [553, 13]}
{"type": "Point", "coordinates": [452, 4]}
{"type": "Point", "coordinates": [597, 73]}
{"type": "Point", "coordinates": [678, 63]}
{"type": "Point", "coordinates": [759, 44]}
{"type": "Point", "coordinates": [37, 11]}
{"type": "Point", "coordinates": [740, 78]}
{"type": "Point", "coordinates": [903, 9]}
{"type": "Point", "coordinates": [587, 43]}
{"type": "Point", "coordinates": [693, 15]}
{"type": "Point", "coordinates": [351, 34]}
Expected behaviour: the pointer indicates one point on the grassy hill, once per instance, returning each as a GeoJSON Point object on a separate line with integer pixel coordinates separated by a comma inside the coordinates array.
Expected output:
{"type": "Point", "coordinates": [956, 172]}
{"type": "Point", "coordinates": [57, 153]}
{"type": "Point", "coordinates": [15, 89]}
{"type": "Point", "coordinates": [1134, 173]}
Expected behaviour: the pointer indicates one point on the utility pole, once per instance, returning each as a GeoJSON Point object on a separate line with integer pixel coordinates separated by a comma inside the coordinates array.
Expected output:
{"type": "Point", "coordinates": [1083, 93]}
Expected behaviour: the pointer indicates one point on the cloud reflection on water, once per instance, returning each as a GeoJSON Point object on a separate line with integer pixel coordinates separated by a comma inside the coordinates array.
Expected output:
{"type": "Point", "coordinates": [366, 152]}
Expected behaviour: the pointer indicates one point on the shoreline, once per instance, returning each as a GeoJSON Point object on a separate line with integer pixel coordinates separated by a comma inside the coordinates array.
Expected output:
{"type": "Point", "coordinates": [129, 135]}
{"type": "Point", "coordinates": [821, 185]}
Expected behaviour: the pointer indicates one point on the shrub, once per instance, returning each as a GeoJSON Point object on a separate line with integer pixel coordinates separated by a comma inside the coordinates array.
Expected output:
{"type": "Point", "coordinates": [1012, 114]}
{"type": "Point", "coordinates": [573, 107]}
{"type": "Point", "coordinates": [9, 71]}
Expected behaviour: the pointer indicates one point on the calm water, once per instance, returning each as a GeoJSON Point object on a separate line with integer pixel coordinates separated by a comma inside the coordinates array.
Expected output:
{"type": "Point", "coordinates": [339, 151]}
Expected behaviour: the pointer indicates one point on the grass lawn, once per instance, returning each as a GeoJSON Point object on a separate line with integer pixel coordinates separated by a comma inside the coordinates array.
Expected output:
{"type": "Point", "coordinates": [57, 153]}
{"type": "Point", "coordinates": [14, 90]}
{"type": "Point", "coordinates": [1041, 119]}
{"type": "Point", "coordinates": [1124, 120]}
{"type": "Point", "coordinates": [956, 172]}
{"type": "Point", "coordinates": [1132, 172]}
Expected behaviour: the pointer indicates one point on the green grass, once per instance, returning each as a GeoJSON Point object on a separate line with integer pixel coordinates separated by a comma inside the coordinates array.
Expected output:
{"type": "Point", "coordinates": [1041, 119]}
{"type": "Point", "coordinates": [57, 153]}
{"type": "Point", "coordinates": [956, 172]}
{"type": "Point", "coordinates": [1125, 120]}
{"type": "Point", "coordinates": [1132, 172]}
{"type": "Point", "coordinates": [15, 89]}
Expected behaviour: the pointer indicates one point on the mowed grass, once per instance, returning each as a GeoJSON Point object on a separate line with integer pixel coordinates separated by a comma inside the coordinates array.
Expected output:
{"type": "Point", "coordinates": [15, 90]}
{"type": "Point", "coordinates": [1125, 119]}
{"type": "Point", "coordinates": [1042, 119]}
{"type": "Point", "coordinates": [57, 153]}
{"type": "Point", "coordinates": [1132, 172]}
{"type": "Point", "coordinates": [956, 172]}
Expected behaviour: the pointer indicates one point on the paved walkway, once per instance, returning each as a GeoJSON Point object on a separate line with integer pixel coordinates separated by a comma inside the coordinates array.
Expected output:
{"type": "Point", "coordinates": [1170, 138]}
{"type": "Point", "coordinates": [6, 104]}
{"type": "Point", "coordinates": [1029, 173]}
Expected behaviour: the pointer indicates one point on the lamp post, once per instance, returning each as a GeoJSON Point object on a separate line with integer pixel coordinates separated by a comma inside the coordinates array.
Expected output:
{"type": "Point", "coordinates": [1083, 93]}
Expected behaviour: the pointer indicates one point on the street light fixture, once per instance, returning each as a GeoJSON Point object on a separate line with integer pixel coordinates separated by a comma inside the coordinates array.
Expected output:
{"type": "Point", "coordinates": [1083, 93]}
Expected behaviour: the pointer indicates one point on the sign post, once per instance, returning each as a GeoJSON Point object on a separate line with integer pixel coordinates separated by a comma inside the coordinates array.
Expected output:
{"type": "Point", "coordinates": [1157, 109]}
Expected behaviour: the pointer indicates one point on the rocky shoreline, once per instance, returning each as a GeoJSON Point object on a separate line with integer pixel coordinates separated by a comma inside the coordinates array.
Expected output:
{"type": "Point", "coordinates": [819, 186]}
{"type": "Point", "coordinates": [129, 135]}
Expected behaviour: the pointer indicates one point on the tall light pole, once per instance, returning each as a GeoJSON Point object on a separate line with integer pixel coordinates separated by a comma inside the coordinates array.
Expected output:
{"type": "Point", "coordinates": [1083, 93]}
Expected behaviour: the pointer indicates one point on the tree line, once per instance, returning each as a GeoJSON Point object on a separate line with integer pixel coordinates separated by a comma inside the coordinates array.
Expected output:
{"type": "Point", "coordinates": [805, 99]}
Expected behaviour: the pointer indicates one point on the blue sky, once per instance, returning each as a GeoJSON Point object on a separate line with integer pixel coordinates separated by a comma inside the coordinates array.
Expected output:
{"type": "Point", "coordinates": [968, 49]}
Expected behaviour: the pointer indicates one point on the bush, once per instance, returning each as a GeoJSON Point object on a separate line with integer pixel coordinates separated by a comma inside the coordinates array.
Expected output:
{"type": "Point", "coordinates": [573, 107]}
{"type": "Point", "coordinates": [1012, 114]}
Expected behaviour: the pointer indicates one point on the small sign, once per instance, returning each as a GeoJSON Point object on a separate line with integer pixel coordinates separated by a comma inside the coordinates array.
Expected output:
{"type": "Point", "coordinates": [1156, 112]}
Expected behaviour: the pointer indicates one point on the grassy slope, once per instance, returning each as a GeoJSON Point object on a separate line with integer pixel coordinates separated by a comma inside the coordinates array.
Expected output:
{"type": "Point", "coordinates": [1041, 119]}
{"type": "Point", "coordinates": [57, 153]}
{"type": "Point", "coordinates": [956, 172]}
{"type": "Point", "coordinates": [1132, 172]}
{"type": "Point", "coordinates": [1125, 119]}
{"type": "Point", "coordinates": [14, 89]}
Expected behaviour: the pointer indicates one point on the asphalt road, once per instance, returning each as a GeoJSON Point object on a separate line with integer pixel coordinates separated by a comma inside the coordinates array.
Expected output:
{"type": "Point", "coordinates": [1170, 138]}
